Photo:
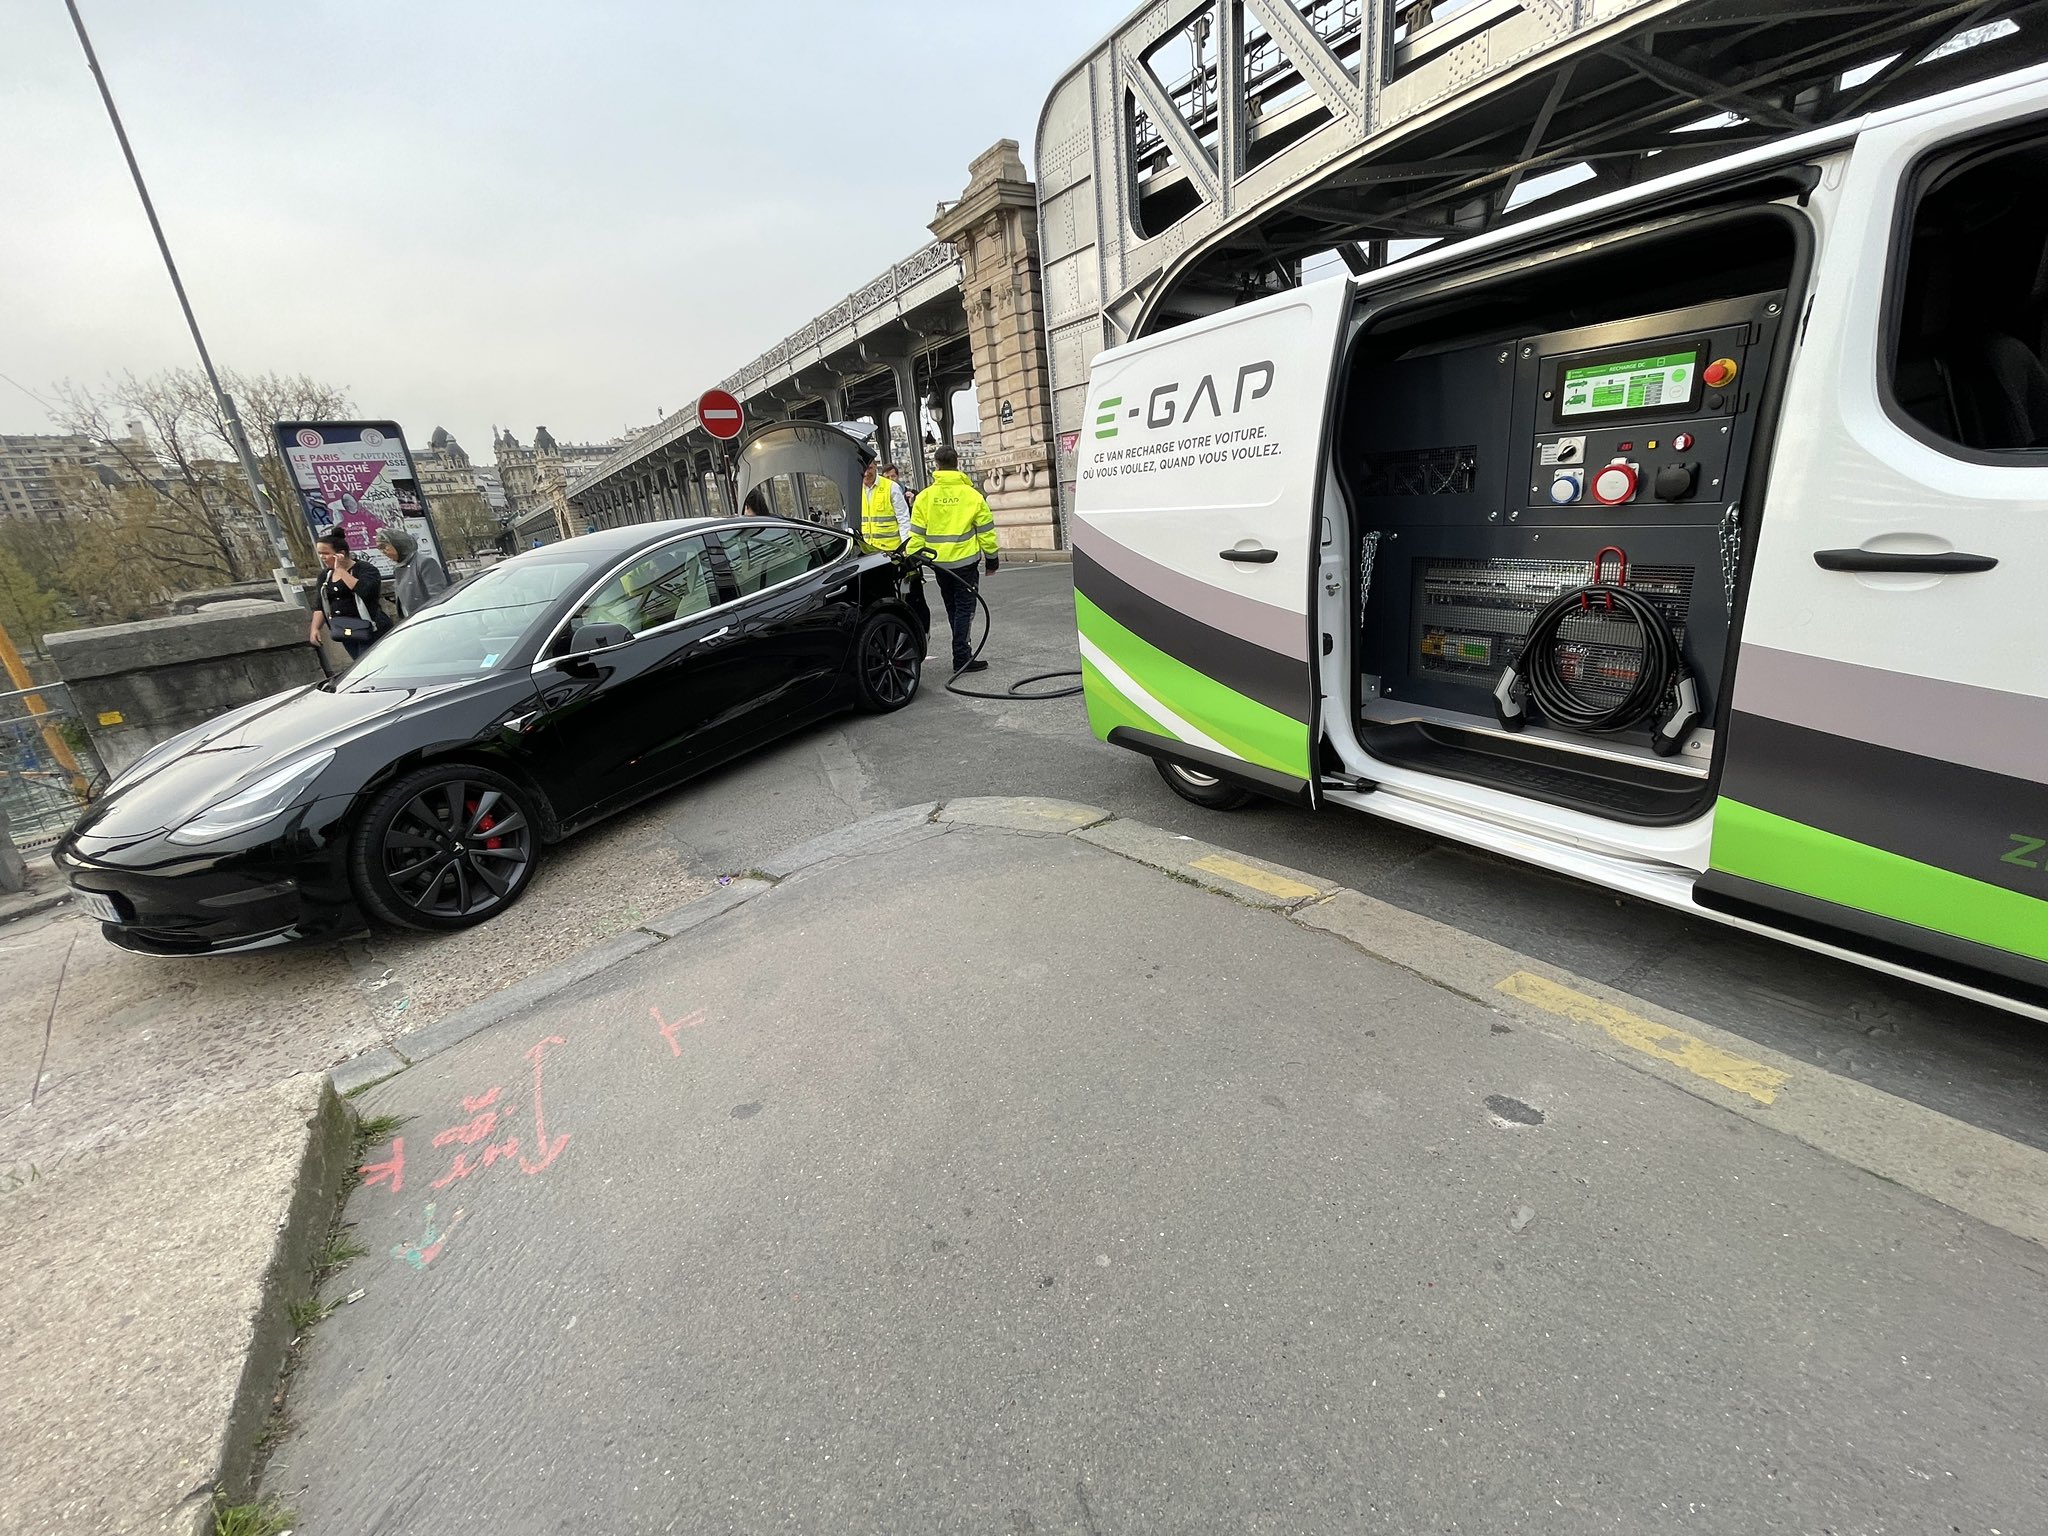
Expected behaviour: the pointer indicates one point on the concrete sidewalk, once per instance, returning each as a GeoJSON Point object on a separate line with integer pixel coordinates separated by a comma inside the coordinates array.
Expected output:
{"type": "Point", "coordinates": [966, 1173]}
{"type": "Point", "coordinates": [145, 1300]}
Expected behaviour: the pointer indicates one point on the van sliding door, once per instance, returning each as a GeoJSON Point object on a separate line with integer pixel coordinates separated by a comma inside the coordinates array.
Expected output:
{"type": "Point", "coordinates": [1886, 773]}
{"type": "Point", "coordinates": [1194, 529]}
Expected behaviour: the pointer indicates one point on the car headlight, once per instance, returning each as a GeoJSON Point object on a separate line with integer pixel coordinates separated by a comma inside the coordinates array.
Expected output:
{"type": "Point", "coordinates": [271, 795]}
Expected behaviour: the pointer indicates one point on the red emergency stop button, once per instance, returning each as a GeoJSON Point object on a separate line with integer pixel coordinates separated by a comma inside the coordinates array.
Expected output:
{"type": "Point", "coordinates": [1721, 372]}
{"type": "Point", "coordinates": [1615, 484]}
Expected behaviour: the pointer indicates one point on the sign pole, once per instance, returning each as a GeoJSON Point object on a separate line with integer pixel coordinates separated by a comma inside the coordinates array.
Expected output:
{"type": "Point", "coordinates": [720, 413]}
{"type": "Point", "coordinates": [230, 417]}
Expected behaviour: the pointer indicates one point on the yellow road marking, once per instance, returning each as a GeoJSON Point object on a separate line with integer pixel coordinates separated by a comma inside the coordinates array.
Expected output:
{"type": "Point", "coordinates": [1257, 879]}
{"type": "Point", "coordinates": [1736, 1073]}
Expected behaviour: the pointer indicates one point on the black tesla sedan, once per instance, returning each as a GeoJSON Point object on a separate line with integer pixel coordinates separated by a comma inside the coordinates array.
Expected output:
{"type": "Point", "coordinates": [421, 786]}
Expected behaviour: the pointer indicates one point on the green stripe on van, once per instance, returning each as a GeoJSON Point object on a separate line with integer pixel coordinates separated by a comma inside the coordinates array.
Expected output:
{"type": "Point", "coordinates": [1109, 706]}
{"type": "Point", "coordinates": [1774, 850]}
{"type": "Point", "coordinates": [1242, 725]}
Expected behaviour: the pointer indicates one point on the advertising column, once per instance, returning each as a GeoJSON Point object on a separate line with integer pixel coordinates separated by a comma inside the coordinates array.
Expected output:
{"type": "Point", "coordinates": [359, 475]}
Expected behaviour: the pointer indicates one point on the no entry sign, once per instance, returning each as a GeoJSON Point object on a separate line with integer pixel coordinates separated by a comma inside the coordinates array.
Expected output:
{"type": "Point", "coordinates": [720, 414]}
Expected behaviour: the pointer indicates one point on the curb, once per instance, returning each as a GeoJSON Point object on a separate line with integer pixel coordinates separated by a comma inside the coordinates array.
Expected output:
{"type": "Point", "coordinates": [29, 904]}
{"type": "Point", "coordinates": [874, 835]}
{"type": "Point", "coordinates": [317, 1190]}
{"type": "Point", "coordinates": [1965, 1167]}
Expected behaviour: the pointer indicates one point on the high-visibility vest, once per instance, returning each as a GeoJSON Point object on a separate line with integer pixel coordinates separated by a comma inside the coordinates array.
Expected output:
{"type": "Point", "coordinates": [952, 520]}
{"type": "Point", "coordinates": [878, 526]}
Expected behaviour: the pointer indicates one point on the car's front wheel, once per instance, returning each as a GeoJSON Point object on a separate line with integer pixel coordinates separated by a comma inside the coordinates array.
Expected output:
{"type": "Point", "coordinates": [445, 847]}
{"type": "Point", "coordinates": [888, 661]}
{"type": "Point", "coordinates": [1204, 789]}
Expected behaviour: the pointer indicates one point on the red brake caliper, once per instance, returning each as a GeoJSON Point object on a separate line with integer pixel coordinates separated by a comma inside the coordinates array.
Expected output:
{"type": "Point", "coordinates": [485, 825]}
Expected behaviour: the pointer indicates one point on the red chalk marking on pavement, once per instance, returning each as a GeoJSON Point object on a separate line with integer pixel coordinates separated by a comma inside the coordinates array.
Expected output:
{"type": "Point", "coordinates": [462, 1167]}
{"type": "Point", "coordinates": [548, 1151]}
{"type": "Point", "coordinates": [390, 1172]}
{"type": "Point", "coordinates": [422, 1253]}
{"type": "Point", "coordinates": [488, 1117]}
{"type": "Point", "coordinates": [478, 1128]}
{"type": "Point", "coordinates": [668, 1031]}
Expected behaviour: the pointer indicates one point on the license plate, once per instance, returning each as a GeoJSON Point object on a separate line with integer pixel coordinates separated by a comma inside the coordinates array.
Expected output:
{"type": "Point", "coordinates": [94, 905]}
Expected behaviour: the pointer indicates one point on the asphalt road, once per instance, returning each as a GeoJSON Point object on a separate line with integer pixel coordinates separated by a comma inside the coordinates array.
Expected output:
{"type": "Point", "coordinates": [1127, 1208]}
{"type": "Point", "coordinates": [1982, 1066]}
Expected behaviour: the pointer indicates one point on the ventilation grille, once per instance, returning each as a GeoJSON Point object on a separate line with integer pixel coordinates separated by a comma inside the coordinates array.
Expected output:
{"type": "Point", "coordinates": [1419, 472]}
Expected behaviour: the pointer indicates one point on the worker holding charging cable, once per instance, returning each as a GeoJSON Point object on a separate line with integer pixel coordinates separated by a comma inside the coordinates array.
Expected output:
{"type": "Point", "coordinates": [951, 523]}
{"type": "Point", "coordinates": [885, 525]}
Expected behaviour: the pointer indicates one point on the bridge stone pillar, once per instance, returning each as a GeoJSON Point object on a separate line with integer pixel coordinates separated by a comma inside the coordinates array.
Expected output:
{"type": "Point", "coordinates": [904, 371]}
{"type": "Point", "coordinates": [995, 227]}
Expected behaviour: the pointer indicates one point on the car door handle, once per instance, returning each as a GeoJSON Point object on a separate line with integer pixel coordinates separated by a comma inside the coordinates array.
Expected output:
{"type": "Point", "coordinates": [717, 634]}
{"type": "Point", "coordinates": [1952, 563]}
{"type": "Point", "coordinates": [1251, 556]}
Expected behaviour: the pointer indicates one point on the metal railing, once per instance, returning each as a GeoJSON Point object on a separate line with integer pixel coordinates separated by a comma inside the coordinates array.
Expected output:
{"type": "Point", "coordinates": [49, 770]}
{"type": "Point", "coordinates": [901, 278]}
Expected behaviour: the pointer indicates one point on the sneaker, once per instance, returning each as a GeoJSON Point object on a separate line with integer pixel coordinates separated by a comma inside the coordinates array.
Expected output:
{"type": "Point", "coordinates": [975, 666]}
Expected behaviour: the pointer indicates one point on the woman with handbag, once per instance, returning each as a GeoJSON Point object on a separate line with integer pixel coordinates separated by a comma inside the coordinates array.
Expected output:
{"type": "Point", "coordinates": [349, 606]}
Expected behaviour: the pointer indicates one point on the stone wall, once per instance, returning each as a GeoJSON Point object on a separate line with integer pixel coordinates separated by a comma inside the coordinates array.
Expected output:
{"type": "Point", "coordinates": [135, 685]}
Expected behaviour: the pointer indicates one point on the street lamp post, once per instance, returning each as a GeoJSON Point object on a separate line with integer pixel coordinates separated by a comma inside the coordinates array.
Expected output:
{"type": "Point", "coordinates": [231, 417]}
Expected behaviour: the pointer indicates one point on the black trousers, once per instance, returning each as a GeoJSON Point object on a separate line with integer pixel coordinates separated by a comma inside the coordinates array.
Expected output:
{"type": "Point", "coordinates": [957, 584]}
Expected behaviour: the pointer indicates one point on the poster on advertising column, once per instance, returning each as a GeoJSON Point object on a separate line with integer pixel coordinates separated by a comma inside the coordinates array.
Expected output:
{"type": "Point", "coordinates": [359, 475]}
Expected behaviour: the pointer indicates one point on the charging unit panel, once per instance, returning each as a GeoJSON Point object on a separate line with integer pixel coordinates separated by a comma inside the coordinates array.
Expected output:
{"type": "Point", "coordinates": [1487, 477]}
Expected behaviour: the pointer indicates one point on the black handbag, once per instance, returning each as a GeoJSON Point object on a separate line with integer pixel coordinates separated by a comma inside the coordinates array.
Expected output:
{"type": "Point", "coordinates": [345, 626]}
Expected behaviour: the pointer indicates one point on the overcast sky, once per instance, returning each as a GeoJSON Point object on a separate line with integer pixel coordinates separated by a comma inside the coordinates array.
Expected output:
{"type": "Point", "coordinates": [470, 213]}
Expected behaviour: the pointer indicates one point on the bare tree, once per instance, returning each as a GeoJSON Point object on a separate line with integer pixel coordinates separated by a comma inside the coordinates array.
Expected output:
{"type": "Point", "coordinates": [265, 398]}
{"type": "Point", "coordinates": [168, 434]}
{"type": "Point", "coordinates": [465, 523]}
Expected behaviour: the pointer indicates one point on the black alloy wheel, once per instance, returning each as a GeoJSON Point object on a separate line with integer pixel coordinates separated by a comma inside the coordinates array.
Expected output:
{"type": "Point", "coordinates": [1200, 787]}
{"type": "Point", "coordinates": [445, 847]}
{"type": "Point", "coordinates": [890, 662]}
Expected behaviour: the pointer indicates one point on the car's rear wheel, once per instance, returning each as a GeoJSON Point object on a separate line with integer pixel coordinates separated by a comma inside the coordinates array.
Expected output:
{"type": "Point", "coordinates": [889, 661]}
{"type": "Point", "coordinates": [1203, 788]}
{"type": "Point", "coordinates": [445, 847]}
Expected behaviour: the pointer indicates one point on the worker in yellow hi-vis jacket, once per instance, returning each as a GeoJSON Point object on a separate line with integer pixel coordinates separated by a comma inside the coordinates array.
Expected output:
{"type": "Point", "coordinates": [951, 522]}
{"type": "Point", "coordinates": [885, 525]}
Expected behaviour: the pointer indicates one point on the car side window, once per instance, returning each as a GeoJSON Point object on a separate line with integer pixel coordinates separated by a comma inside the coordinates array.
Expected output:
{"type": "Point", "coordinates": [1970, 306]}
{"type": "Point", "coordinates": [766, 557]}
{"type": "Point", "coordinates": [663, 585]}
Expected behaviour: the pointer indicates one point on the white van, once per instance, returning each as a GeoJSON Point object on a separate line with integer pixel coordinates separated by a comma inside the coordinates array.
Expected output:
{"type": "Point", "coordinates": [1787, 414]}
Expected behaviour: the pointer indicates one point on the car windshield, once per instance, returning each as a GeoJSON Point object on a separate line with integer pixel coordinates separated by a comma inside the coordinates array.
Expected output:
{"type": "Point", "coordinates": [473, 629]}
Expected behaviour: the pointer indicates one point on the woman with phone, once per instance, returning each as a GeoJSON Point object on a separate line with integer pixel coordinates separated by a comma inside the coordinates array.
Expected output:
{"type": "Point", "coordinates": [350, 596]}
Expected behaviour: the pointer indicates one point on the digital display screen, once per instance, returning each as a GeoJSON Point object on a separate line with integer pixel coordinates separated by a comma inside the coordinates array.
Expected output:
{"type": "Point", "coordinates": [1630, 384]}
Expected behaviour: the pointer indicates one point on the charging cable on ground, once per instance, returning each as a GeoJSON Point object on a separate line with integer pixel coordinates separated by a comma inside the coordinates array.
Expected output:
{"type": "Point", "coordinates": [988, 624]}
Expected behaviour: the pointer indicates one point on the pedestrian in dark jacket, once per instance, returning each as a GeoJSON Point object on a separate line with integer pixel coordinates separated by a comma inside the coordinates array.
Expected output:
{"type": "Point", "coordinates": [415, 578]}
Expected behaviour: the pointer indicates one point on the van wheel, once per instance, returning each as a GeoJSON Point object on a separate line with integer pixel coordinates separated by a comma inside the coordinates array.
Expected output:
{"type": "Point", "coordinates": [1204, 789]}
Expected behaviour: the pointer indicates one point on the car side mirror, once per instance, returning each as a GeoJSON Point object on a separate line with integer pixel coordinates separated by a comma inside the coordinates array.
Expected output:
{"type": "Point", "coordinates": [584, 638]}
